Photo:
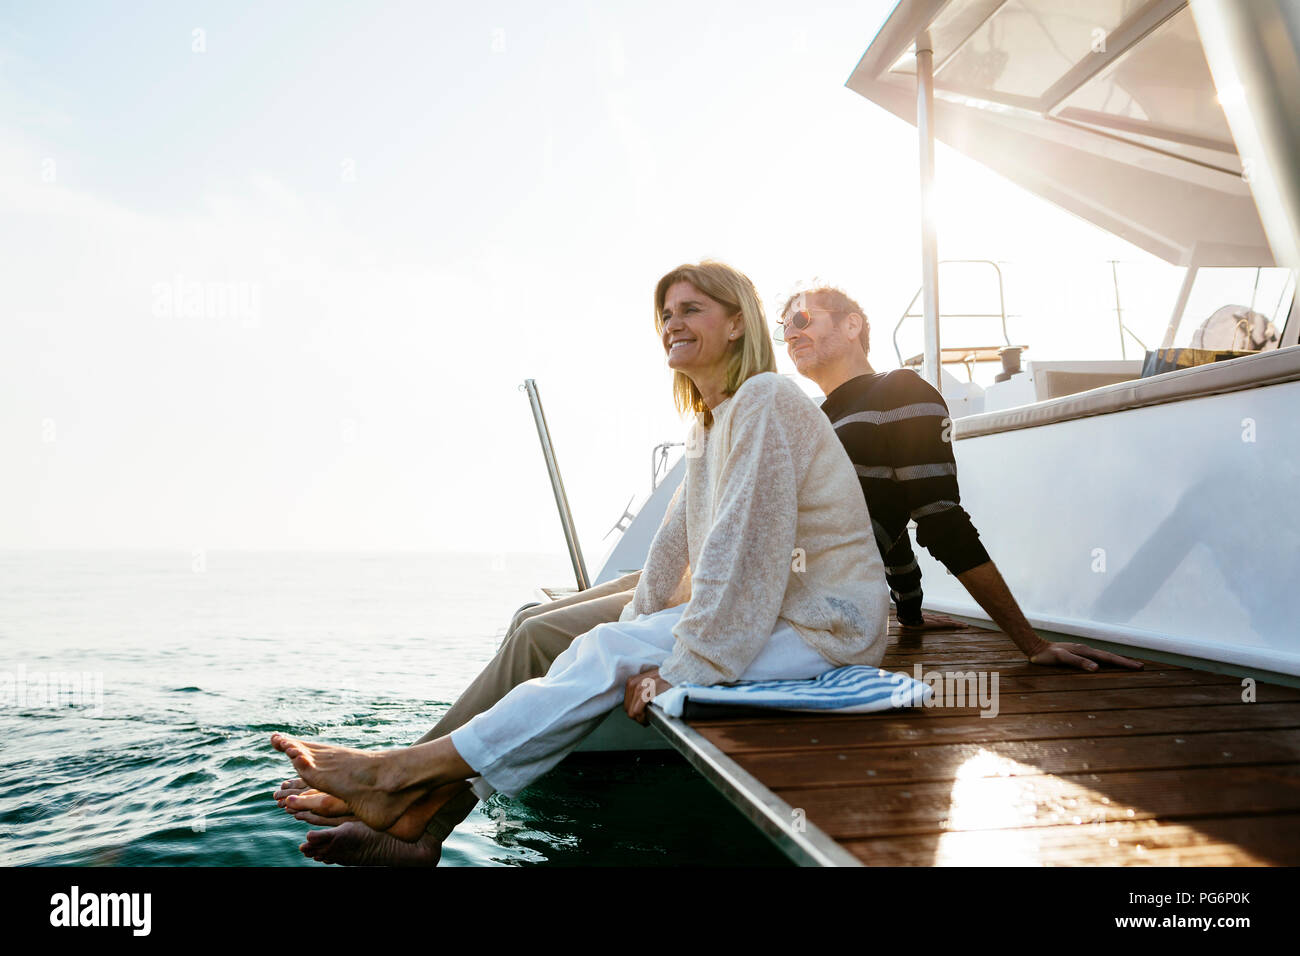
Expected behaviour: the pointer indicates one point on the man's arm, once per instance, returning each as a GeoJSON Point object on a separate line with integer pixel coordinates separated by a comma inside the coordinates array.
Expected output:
{"type": "Point", "coordinates": [988, 589]}
{"type": "Point", "coordinates": [921, 451]}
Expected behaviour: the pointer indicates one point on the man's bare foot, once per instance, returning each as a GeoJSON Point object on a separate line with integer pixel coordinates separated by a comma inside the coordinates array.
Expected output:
{"type": "Point", "coordinates": [288, 789]}
{"type": "Point", "coordinates": [355, 844]}
{"type": "Point", "coordinates": [330, 812]}
{"type": "Point", "coordinates": [306, 816]}
{"type": "Point", "coordinates": [371, 785]}
{"type": "Point", "coordinates": [298, 787]}
{"type": "Point", "coordinates": [931, 622]}
{"type": "Point", "coordinates": [318, 802]}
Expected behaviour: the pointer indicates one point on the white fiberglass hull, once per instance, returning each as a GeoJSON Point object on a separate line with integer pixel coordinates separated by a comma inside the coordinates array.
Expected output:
{"type": "Point", "coordinates": [1173, 527]}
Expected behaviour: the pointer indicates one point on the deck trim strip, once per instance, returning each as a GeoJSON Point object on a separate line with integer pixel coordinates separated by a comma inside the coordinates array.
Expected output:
{"type": "Point", "coordinates": [772, 815]}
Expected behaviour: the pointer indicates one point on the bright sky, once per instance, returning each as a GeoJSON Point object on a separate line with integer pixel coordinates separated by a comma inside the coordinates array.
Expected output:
{"type": "Point", "coordinates": [398, 212]}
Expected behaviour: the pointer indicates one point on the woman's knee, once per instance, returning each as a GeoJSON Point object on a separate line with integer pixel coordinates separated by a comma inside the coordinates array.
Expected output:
{"type": "Point", "coordinates": [628, 645]}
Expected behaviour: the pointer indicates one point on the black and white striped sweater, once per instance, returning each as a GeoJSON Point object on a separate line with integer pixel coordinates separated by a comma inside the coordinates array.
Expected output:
{"type": "Point", "coordinates": [897, 432]}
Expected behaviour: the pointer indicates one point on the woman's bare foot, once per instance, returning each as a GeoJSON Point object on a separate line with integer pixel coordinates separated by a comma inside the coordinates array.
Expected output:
{"type": "Point", "coordinates": [371, 785]}
{"type": "Point", "coordinates": [355, 844]}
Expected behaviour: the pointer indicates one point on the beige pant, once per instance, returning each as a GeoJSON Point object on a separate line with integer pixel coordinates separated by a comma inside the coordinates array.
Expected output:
{"type": "Point", "coordinates": [537, 636]}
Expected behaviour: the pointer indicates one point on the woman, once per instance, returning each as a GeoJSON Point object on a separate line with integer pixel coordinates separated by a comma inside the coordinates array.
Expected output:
{"type": "Point", "coordinates": [764, 567]}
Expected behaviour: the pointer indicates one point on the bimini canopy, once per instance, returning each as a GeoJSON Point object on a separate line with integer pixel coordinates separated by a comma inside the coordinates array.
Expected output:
{"type": "Point", "coordinates": [1106, 108]}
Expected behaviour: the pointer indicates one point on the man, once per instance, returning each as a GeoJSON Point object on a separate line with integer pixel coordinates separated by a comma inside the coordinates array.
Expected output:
{"type": "Point", "coordinates": [891, 425]}
{"type": "Point", "coordinates": [895, 428]}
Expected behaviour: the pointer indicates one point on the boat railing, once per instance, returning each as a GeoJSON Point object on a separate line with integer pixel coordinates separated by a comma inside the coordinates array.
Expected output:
{"type": "Point", "coordinates": [659, 462]}
{"type": "Point", "coordinates": [1119, 314]}
{"type": "Point", "coordinates": [1001, 314]}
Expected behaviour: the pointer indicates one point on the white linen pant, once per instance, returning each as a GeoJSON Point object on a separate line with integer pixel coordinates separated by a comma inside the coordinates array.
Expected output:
{"type": "Point", "coordinates": [538, 723]}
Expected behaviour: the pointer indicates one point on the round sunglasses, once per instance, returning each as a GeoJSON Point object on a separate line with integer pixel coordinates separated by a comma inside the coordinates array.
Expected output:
{"type": "Point", "coordinates": [800, 321]}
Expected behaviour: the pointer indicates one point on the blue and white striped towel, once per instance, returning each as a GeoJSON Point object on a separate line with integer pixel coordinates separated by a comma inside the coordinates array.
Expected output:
{"type": "Point", "coordinates": [855, 689]}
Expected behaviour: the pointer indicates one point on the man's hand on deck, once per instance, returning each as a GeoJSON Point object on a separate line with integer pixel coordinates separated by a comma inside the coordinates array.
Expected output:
{"type": "Point", "coordinates": [641, 689]}
{"type": "Point", "coordinates": [1061, 654]}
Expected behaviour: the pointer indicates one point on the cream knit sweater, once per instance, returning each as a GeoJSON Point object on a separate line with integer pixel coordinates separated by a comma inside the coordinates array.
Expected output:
{"type": "Point", "coordinates": [769, 524]}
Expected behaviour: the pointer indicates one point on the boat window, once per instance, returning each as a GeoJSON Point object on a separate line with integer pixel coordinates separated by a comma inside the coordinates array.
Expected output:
{"type": "Point", "coordinates": [1134, 97]}
{"type": "Point", "coordinates": [947, 32]}
{"type": "Point", "coordinates": [1027, 45]}
{"type": "Point", "coordinates": [1239, 309]}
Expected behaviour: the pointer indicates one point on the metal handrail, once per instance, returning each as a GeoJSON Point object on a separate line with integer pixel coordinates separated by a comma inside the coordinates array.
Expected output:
{"type": "Point", "coordinates": [1119, 314]}
{"type": "Point", "coordinates": [1002, 304]}
{"type": "Point", "coordinates": [659, 461]}
{"type": "Point", "coordinates": [557, 485]}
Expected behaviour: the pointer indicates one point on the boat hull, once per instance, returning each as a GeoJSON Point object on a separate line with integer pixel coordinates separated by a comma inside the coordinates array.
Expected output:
{"type": "Point", "coordinates": [1171, 527]}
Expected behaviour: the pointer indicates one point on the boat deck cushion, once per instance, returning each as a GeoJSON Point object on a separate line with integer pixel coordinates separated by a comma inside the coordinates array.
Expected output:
{"type": "Point", "coordinates": [1251, 371]}
{"type": "Point", "coordinates": [1057, 384]}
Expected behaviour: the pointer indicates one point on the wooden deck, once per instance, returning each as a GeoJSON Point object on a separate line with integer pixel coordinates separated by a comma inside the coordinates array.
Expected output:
{"type": "Point", "coordinates": [1165, 766]}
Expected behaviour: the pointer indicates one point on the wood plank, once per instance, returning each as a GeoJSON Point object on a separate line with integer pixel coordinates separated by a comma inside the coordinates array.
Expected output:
{"type": "Point", "coordinates": [1032, 677]}
{"type": "Point", "coordinates": [1005, 803]}
{"type": "Point", "coordinates": [960, 690]}
{"type": "Point", "coordinates": [938, 726]}
{"type": "Point", "coordinates": [1272, 840]}
{"type": "Point", "coordinates": [1140, 698]}
{"type": "Point", "coordinates": [938, 649]}
{"type": "Point", "coordinates": [989, 658]}
{"type": "Point", "coordinates": [1019, 667]}
{"type": "Point", "coordinates": [952, 642]}
{"type": "Point", "coordinates": [1002, 660]}
{"type": "Point", "coordinates": [868, 766]}
{"type": "Point", "coordinates": [942, 642]}
{"type": "Point", "coordinates": [1112, 678]}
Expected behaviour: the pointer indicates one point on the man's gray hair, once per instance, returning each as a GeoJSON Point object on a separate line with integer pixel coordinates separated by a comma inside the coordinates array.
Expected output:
{"type": "Point", "coordinates": [838, 301]}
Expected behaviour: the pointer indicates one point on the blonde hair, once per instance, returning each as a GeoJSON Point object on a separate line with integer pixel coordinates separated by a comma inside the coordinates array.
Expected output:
{"type": "Point", "coordinates": [749, 355]}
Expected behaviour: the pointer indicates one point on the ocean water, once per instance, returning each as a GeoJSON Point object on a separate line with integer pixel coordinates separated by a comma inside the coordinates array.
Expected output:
{"type": "Point", "coordinates": [138, 691]}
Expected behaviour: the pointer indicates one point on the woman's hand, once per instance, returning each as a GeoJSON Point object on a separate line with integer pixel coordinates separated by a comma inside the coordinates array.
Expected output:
{"type": "Point", "coordinates": [641, 689]}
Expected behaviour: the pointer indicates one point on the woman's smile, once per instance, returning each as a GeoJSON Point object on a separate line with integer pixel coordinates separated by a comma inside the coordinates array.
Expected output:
{"type": "Point", "coordinates": [679, 343]}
